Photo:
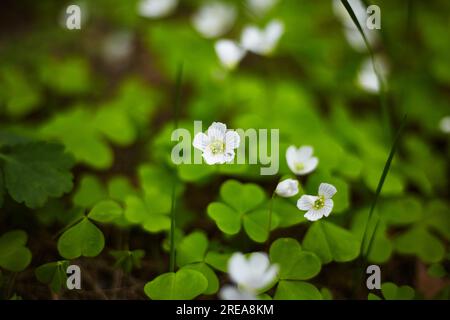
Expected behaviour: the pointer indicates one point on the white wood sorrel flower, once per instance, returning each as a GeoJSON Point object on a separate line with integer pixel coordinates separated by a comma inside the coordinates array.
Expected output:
{"type": "Point", "coordinates": [261, 7]}
{"type": "Point", "coordinates": [229, 52]}
{"type": "Point", "coordinates": [287, 188]}
{"type": "Point", "coordinates": [156, 8]}
{"type": "Point", "coordinates": [301, 160]}
{"type": "Point", "coordinates": [320, 205]}
{"type": "Point", "coordinates": [217, 144]}
{"type": "Point", "coordinates": [214, 19]}
{"type": "Point", "coordinates": [250, 275]}
{"type": "Point", "coordinates": [262, 41]}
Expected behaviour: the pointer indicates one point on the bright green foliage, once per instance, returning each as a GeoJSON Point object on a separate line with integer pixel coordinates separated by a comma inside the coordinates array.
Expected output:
{"type": "Point", "coordinates": [421, 242]}
{"type": "Point", "coordinates": [89, 192]}
{"type": "Point", "coordinates": [296, 290]}
{"type": "Point", "coordinates": [53, 274]}
{"type": "Point", "coordinates": [191, 254]}
{"type": "Point", "coordinates": [83, 239]}
{"type": "Point", "coordinates": [294, 263]}
{"type": "Point", "coordinates": [185, 284]}
{"type": "Point", "coordinates": [127, 260]}
{"type": "Point", "coordinates": [140, 211]}
{"type": "Point", "coordinates": [331, 242]}
{"type": "Point", "coordinates": [119, 188]}
{"type": "Point", "coordinates": [35, 171]}
{"type": "Point", "coordinates": [105, 211]}
{"type": "Point", "coordinates": [14, 255]}
{"type": "Point", "coordinates": [218, 260]}
{"type": "Point", "coordinates": [391, 291]}
{"type": "Point", "coordinates": [242, 206]}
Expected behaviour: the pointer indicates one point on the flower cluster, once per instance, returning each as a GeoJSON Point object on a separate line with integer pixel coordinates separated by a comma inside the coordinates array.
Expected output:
{"type": "Point", "coordinates": [301, 162]}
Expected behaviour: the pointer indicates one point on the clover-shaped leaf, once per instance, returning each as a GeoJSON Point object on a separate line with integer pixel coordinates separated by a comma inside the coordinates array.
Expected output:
{"type": "Point", "coordinates": [243, 204]}
{"type": "Point", "coordinates": [35, 171]}
{"type": "Point", "coordinates": [127, 259]}
{"type": "Point", "coordinates": [89, 192]}
{"type": "Point", "coordinates": [140, 211]}
{"type": "Point", "coordinates": [192, 248]}
{"type": "Point", "coordinates": [419, 241]}
{"type": "Point", "coordinates": [296, 290]}
{"type": "Point", "coordinates": [331, 242]}
{"type": "Point", "coordinates": [54, 274]}
{"type": "Point", "coordinates": [105, 211]}
{"type": "Point", "coordinates": [294, 263]}
{"type": "Point", "coordinates": [191, 253]}
{"type": "Point", "coordinates": [83, 239]}
{"type": "Point", "coordinates": [14, 255]}
{"type": "Point", "coordinates": [391, 291]}
{"type": "Point", "coordinates": [218, 260]}
{"type": "Point", "coordinates": [185, 284]}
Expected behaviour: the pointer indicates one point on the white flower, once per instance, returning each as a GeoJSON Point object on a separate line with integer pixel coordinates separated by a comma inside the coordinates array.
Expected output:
{"type": "Point", "coordinates": [218, 144]}
{"type": "Point", "coordinates": [252, 274]}
{"type": "Point", "coordinates": [229, 52]}
{"type": "Point", "coordinates": [367, 78]}
{"type": "Point", "coordinates": [301, 160]}
{"type": "Point", "coordinates": [287, 188]}
{"type": "Point", "coordinates": [320, 205]}
{"type": "Point", "coordinates": [262, 41]}
{"type": "Point", "coordinates": [233, 293]}
{"type": "Point", "coordinates": [261, 7]}
{"type": "Point", "coordinates": [352, 33]}
{"type": "Point", "coordinates": [444, 124]}
{"type": "Point", "coordinates": [156, 8]}
{"type": "Point", "coordinates": [214, 19]}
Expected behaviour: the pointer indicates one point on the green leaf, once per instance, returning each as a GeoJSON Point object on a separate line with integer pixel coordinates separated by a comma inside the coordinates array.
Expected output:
{"type": "Point", "coordinates": [294, 263]}
{"type": "Point", "coordinates": [185, 284]}
{"type": "Point", "coordinates": [35, 171]}
{"type": "Point", "coordinates": [287, 212]}
{"type": "Point", "coordinates": [208, 273]}
{"type": "Point", "coordinates": [119, 188]}
{"type": "Point", "coordinates": [140, 211]}
{"type": "Point", "coordinates": [127, 260]}
{"type": "Point", "coordinates": [393, 292]}
{"type": "Point", "coordinates": [83, 239]}
{"type": "Point", "coordinates": [227, 219]}
{"type": "Point", "coordinates": [89, 192]}
{"type": "Point", "coordinates": [106, 211]}
{"type": "Point", "coordinates": [256, 224]}
{"type": "Point", "coordinates": [436, 217]}
{"type": "Point", "coordinates": [401, 211]}
{"type": "Point", "coordinates": [53, 274]}
{"type": "Point", "coordinates": [331, 242]}
{"type": "Point", "coordinates": [420, 242]}
{"type": "Point", "coordinates": [217, 260]}
{"type": "Point", "coordinates": [2, 189]}
{"type": "Point", "coordinates": [192, 248]}
{"type": "Point", "coordinates": [114, 123]}
{"type": "Point", "coordinates": [242, 197]}
{"type": "Point", "coordinates": [296, 290]}
{"type": "Point", "coordinates": [372, 296]}
{"type": "Point", "coordinates": [14, 255]}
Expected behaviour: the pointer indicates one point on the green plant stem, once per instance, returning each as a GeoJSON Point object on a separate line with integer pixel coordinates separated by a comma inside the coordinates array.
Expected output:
{"type": "Point", "coordinates": [177, 94]}
{"type": "Point", "coordinates": [379, 188]}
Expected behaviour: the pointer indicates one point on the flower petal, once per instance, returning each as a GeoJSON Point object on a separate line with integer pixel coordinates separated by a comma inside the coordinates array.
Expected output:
{"type": "Point", "coordinates": [306, 202]}
{"type": "Point", "coordinates": [211, 158]}
{"type": "Point", "coordinates": [229, 53]}
{"type": "Point", "coordinates": [291, 157]}
{"type": "Point", "coordinates": [201, 141]}
{"type": "Point", "coordinates": [232, 140]}
{"type": "Point", "coordinates": [273, 32]}
{"type": "Point", "coordinates": [228, 156]}
{"type": "Point", "coordinates": [287, 188]}
{"type": "Point", "coordinates": [233, 293]}
{"type": "Point", "coordinates": [304, 153]}
{"type": "Point", "coordinates": [328, 206]}
{"type": "Point", "coordinates": [327, 190]}
{"type": "Point", "coordinates": [238, 268]}
{"type": "Point", "coordinates": [309, 166]}
{"type": "Point", "coordinates": [313, 215]}
{"type": "Point", "coordinates": [269, 275]}
{"type": "Point", "coordinates": [258, 263]}
{"type": "Point", "coordinates": [216, 131]}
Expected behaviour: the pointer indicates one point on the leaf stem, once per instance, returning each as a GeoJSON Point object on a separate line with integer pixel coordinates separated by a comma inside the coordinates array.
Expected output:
{"type": "Point", "coordinates": [379, 187]}
{"type": "Point", "coordinates": [172, 209]}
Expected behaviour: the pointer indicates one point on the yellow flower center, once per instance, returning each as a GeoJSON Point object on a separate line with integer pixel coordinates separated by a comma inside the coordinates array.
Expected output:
{"type": "Point", "coordinates": [217, 147]}
{"type": "Point", "coordinates": [299, 166]}
{"type": "Point", "coordinates": [319, 203]}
